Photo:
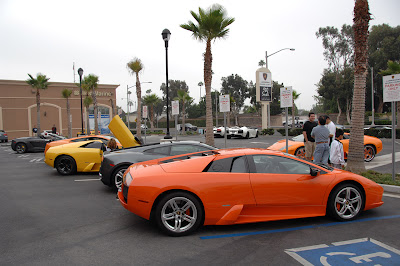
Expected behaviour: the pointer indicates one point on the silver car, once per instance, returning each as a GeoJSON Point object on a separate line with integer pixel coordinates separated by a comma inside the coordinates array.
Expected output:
{"type": "Point", "coordinates": [3, 136]}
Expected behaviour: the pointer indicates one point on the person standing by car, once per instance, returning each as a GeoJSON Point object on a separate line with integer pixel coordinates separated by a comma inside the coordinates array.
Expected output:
{"type": "Point", "coordinates": [34, 130]}
{"type": "Point", "coordinates": [336, 152]}
{"type": "Point", "coordinates": [321, 135]}
{"type": "Point", "coordinates": [54, 129]}
{"type": "Point", "coordinates": [309, 142]}
{"type": "Point", "coordinates": [331, 127]}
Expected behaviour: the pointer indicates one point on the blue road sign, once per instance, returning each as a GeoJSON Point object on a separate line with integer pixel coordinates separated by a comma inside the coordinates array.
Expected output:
{"type": "Point", "coordinates": [353, 252]}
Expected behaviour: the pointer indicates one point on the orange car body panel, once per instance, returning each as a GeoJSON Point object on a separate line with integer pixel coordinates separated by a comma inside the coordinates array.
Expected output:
{"type": "Point", "coordinates": [235, 198]}
{"type": "Point", "coordinates": [294, 145]}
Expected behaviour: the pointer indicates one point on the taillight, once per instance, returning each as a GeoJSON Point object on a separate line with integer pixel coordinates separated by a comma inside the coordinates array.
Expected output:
{"type": "Point", "coordinates": [218, 130]}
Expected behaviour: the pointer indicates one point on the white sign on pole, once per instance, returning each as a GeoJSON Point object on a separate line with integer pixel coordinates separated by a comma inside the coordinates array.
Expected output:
{"type": "Point", "coordinates": [144, 113]}
{"type": "Point", "coordinates": [224, 103]}
{"type": "Point", "coordinates": [175, 107]}
{"type": "Point", "coordinates": [286, 97]}
{"type": "Point", "coordinates": [391, 88]}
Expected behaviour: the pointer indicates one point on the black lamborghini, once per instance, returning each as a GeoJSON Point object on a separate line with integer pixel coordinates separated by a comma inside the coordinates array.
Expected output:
{"type": "Point", "coordinates": [33, 144]}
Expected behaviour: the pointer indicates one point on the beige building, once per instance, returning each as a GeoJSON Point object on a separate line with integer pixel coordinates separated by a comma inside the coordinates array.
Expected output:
{"type": "Point", "coordinates": [18, 113]}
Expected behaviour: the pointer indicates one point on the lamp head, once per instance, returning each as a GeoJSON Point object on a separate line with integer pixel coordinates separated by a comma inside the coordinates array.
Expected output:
{"type": "Point", "coordinates": [165, 35]}
{"type": "Point", "coordinates": [80, 72]}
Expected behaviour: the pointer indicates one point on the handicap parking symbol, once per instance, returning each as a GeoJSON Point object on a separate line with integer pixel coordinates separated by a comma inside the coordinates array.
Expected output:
{"type": "Point", "coordinates": [365, 251]}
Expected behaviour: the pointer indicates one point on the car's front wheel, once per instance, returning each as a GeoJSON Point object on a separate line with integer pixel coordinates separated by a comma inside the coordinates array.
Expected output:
{"type": "Point", "coordinates": [21, 148]}
{"type": "Point", "coordinates": [300, 152]}
{"type": "Point", "coordinates": [369, 153]}
{"type": "Point", "coordinates": [65, 165]}
{"type": "Point", "coordinates": [345, 202]}
{"type": "Point", "coordinates": [116, 179]}
{"type": "Point", "coordinates": [179, 214]}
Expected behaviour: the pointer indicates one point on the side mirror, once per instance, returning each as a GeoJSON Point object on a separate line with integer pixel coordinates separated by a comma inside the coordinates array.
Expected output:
{"type": "Point", "coordinates": [314, 171]}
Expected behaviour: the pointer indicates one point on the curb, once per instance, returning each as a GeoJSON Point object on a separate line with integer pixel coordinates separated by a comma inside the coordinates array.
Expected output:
{"type": "Point", "coordinates": [391, 188]}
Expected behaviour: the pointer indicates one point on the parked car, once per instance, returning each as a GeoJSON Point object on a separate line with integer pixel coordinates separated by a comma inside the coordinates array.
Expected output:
{"type": "Point", "coordinates": [220, 132]}
{"type": "Point", "coordinates": [372, 146]}
{"type": "Point", "coordinates": [83, 156]}
{"type": "Point", "coordinates": [103, 138]}
{"type": "Point", "coordinates": [92, 132]}
{"type": "Point", "coordinates": [243, 132]}
{"type": "Point", "coordinates": [33, 144]}
{"type": "Point", "coordinates": [3, 136]}
{"type": "Point", "coordinates": [378, 127]}
{"type": "Point", "coordinates": [188, 127]}
{"type": "Point", "coordinates": [237, 186]}
{"type": "Point", "coordinates": [46, 134]}
{"type": "Point", "coordinates": [114, 164]}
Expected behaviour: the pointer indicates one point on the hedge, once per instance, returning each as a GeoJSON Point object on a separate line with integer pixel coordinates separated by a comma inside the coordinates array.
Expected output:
{"type": "Point", "coordinates": [268, 131]}
{"type": "Point", "coordinates": [291, 132]}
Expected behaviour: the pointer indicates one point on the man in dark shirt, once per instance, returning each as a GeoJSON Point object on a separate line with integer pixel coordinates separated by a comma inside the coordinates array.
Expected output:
{"type": "Point", "coordinates": [309, 142]}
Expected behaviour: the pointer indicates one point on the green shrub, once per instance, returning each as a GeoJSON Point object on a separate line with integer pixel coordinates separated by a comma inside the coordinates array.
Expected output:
{"type": "Point", "coordinates": [291, 132]}
{"type": "Point", "coordinates": [268, 131]}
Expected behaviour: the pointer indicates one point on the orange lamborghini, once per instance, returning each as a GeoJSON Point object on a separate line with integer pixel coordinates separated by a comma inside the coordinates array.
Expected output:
{"type": "Point", "coordinates": [237, 186]}
{"type": "Point", "coordinates": [372, 146]}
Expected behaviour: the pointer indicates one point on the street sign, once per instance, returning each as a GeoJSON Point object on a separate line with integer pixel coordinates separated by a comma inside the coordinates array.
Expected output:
{"type": "Point", "coordinates": [391, 88]}
{"type": "Point", "coordinates": [144, 113]}
{"type": "Point", "coordinates": [224, 103]}
{"type": "Point", "coordinates": [263, 85]}
{"type": "Point", "coordinates": [286, 97]}
{"type": "Point", "coordinates": [175, 107]}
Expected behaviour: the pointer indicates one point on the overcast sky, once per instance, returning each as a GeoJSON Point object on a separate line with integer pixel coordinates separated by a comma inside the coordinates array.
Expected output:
{"type": "Point", "coordinates": [102, 36]}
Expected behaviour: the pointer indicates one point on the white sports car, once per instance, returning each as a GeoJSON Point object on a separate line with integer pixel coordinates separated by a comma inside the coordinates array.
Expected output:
{"type": "Point", "coordinates": [244, 132]}
{"type": "Point", "coordinates": [220, 132]}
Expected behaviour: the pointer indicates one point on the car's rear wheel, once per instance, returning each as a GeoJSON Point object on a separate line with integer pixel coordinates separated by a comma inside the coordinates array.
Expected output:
{"type": "Point", "coordinates": [345, 202]}
{"type": "Point", "coordinates": [257, 134]}
{"type": "Point", "coordinates": [369, 153]}
{"type": "Point", "coordinates": [116, 179]}
{"type": "Point", "coordinates": [65, 165]}
{"type": "Point", "coordinates": [247, 135]}
{"type": "Point", "coordinates": [179, 214]}
{"type": "Point", "coordinates": [300, 152]}
{"type": "Point", "coordinates": [21, 148]}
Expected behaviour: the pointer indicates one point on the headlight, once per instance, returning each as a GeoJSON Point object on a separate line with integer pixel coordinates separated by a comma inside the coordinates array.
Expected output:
{"type": "Point", "coordinates": [127, 179]}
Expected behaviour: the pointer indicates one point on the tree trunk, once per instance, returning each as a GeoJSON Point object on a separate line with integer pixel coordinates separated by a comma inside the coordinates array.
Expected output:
{"type": "Point", "coordinates": [292, 115]}
{"type": "Point", "coordinates": [95, 112]}
{"type": "Point", "coordinates": [69, 119]}
{"type": "Point", "coordinates": [38, 112]}
{"type": "Point", "coordinates": [355, 162]}
{"type": "Point", "coordinates": [139, 107]}
{"type": "Point", "coordinates": [152, 117]}
{"type": "Point", "coordinates": [207, 82]}
{"type": "Point", "coordinates": [348, 110]}
{"type": "Point", "coordinates": [183, 118]}
{"type": "Point", "coordinates": [87, 121]}
{"type": "Point", "coordinates": [398, 114]}
{"type": "Point", "coordinates": [380, 105]}
{"type": "Point", "coordinates": [340, 111]}
{"type": "Point", "coordinates": [114, 113]}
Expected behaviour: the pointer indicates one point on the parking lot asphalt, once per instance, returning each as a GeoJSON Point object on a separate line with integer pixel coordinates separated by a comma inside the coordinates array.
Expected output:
{"type": "Point", "coordinates": [76, 220]}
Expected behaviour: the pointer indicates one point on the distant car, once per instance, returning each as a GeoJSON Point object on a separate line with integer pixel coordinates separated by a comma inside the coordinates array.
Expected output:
{"type": "Point", "coordinates": [92, 132]}
{"type": "Point", "coordinates": [378, 127]}
{"type": "Point", "coordinates": [243, 132]}
{"type": "Point", "coordinates": [115, 163]}
{"type": "Point", "coordinates": [33, 144]}
{"type": "Point", "coordinates": [188, 127]}
{"type": "Point", "coordinates": [143, 126]}
{"type": "Point", "coordinates": [46, 133]}
{"type": "Point", "coordinates": [372, 146]}
{"type": "Point", "coordinates": [220, 132]}
{"type": "Point", "coordinates": [84, 156]}
{"type": "Point", "coordinates": [3, 136]}
{"type": "Point", "coordinates": [103, 138]}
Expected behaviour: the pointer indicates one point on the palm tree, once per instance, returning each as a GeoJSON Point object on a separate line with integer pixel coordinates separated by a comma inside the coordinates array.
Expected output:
{"type": "Point", "coordinates": [41, 82]}
{"type": "Point", "coordinates": [355, 161]}
{"type": "Point", "coordinates": [294, 98]}
{"type": "Point", "coordinates": [211, 24]}
{"type": "Point", "coordinates": [261, 63]}
{"type": "Point", "coordinates": [135, 66]}
{"type": "Point", "coordinates": [87, 102]}
{"type": "Point", "coordinates": [151, 100]}
{"type": "Point", "coordinates": [183, 97]}
{"type": "Point", "coordinates": [66, 93]}
{"type": "Point", "coordinates": [393, 68]}
{"type": "Point", "coordinates": [89, 84]}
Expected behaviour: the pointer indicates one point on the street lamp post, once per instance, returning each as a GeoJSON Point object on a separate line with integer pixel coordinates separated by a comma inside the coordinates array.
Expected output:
{"type": "Point", "coordinates": [266, 65]}
{"type": "Point", "coordinates": [80, 72]}
{"type": "Point", "coordinates": [372, 97]}
{"type": "Point", "coordinates": [166, 35]}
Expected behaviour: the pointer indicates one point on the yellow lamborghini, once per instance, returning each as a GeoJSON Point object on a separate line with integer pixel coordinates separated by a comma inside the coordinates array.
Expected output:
{"type": "Point", "coordinates": [83, 156]}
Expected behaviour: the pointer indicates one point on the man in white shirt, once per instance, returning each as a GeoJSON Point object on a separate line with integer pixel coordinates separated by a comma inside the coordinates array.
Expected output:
{"type": "Point", "coordinates": [332, 128]}
{"type": "Point", "coordinates": [336, 151]}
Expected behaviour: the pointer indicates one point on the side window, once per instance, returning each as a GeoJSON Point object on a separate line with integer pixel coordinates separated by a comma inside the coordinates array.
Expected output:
{"type": "Point", "coordinates": [239, 165]}
{"type": "Point", "coordinates": [78, 140]}
{"type": "Point", "coordinates": [279, 165]}
{"type": "Point", "coordinates": [161, 150]}
{"type": "Point", "coordinates": [233, 164]}
{"type": "Point", "coordinates": [93, 145]}
{"type": "Point", "coordinates": [183, 149]}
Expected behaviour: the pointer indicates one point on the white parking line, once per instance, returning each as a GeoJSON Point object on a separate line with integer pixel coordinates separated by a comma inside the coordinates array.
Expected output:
{"type": "Point", "coordinates": [382, 160]}
{"type": "Point", "coordinates": [85, 180]}
{"type": "Point", "coordinates": [391, 195]}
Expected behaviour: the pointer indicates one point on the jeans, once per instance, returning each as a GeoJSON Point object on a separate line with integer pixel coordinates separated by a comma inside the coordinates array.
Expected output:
{"type": "Point", "coordinates": [321, 153]}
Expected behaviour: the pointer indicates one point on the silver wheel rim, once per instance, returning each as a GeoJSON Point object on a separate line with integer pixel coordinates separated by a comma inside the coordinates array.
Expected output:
{"type": "Point", "coordinates": [369, 153]}
{"type": "Point", "coordinates": [118, 177]}
{"type": "Point", "coordinates": [20, 148]}
{"type": "Point", "coordinates": [179, 214]}
{"type": "Point", "coordinates": [348, 202]}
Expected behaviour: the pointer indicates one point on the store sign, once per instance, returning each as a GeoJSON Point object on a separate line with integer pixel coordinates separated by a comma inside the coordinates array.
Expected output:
{"type": "Point", "coordinates": [144, 112]}
{"type": "Point", "coordinates": [224, 103]}
{"type": "Point", "coordinates": [98, 93]}
{"type": "Point", "coordinates": [263, 85]}
{"type": "Point", "coordinates": [175, 107]}
{"type": "Point", "coordinates": [286, 97]}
